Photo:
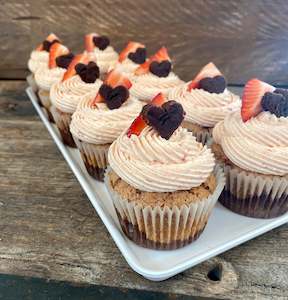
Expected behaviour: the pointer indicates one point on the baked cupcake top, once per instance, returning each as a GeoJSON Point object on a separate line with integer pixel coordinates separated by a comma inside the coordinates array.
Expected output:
{"type": "Point", "coordinates": [206, 99]}
{"type": "Point", "coordinates": [161, 156]}
{"type": "Point", "coordinates": [101, 120]}
{"type": "Point", "coordinates": [80, 81]}
{"type": "Point", "coordinates": [155, 76]}
{"type": "Point", "coordinates": [256, 139]}
{"type": "Point", "coordinates": [59, 60]}
{"type": "Point", "coordinates": [133, 55]}
{"type": "Point", "coordinates": [39, 57]}
{"type": "Point", "coordinates": [98, 47]}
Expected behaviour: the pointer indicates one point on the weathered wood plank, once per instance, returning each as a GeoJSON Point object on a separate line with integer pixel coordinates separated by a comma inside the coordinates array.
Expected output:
{"type": "Point", "coordinates": [245, 38]}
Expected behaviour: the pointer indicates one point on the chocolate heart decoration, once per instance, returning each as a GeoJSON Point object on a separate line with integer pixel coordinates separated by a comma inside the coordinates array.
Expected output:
{"type": "Point", "coordinates": [216, 84]}
{"type": "Point", "coordinates": [139, 56]}
{"type": "Point", "coordinates": [63, 61]}
{"type": "Point", "coordinates": [165, 119]}
{"type": "Point", "coordinates": [161, 69]}
{"type": "Point", "coordinates": [47, 45]}
{"type": "Point", "coordinates": [102, 42]}
{"type": "Point", "coordinates": [88, 73]}
{"type": "Point", "coordinates": [114, 97]}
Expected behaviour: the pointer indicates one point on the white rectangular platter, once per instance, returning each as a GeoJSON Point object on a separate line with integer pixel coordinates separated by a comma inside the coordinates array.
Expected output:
{"type": "Point", "coordinates": [224, 231]}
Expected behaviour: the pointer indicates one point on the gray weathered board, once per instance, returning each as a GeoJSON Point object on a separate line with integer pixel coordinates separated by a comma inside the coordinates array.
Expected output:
{"type": "Point", "coordinates": [244, 38]}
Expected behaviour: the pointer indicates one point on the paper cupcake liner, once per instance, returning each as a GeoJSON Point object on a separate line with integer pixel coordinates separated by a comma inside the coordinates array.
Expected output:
{"type": "Point", "coordinates": [44, 98]}
{"type": "Point", "coordinates": [164, 228]}
{"type": "Point", "coordinates": [95, 158]}
{"type": "Point", "coordinates": [31, 81]}
{"type": "Point", "coordinates": [202, 134]}
{"type": "Point", "coordinates": [254, 195]}
{"type": "Point", "coordinates": [63, 120]}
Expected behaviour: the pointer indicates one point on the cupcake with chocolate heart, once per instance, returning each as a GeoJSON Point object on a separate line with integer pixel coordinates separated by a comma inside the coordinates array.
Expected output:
{"type": "Point", "coordinates": [59, 59]}
{"type": "Point", "coordinates": [160, 178]}
{"type": "Point", "coordinates": [98, 122]}
{"type": "Point", "coordinates": [39, 58]}
{"type": "Point", "coordinates": [206, 101]}
{"type": "Point", "coordinates": [131, 57]}
{"type": "Point", "coordinates": [154, 76]}
{"type": "Point", "coordinates": [252, 145]}
{"type": "Point", "coordinates": [80, 82]}
{"type": "Point", "coordinates": [99, 49]}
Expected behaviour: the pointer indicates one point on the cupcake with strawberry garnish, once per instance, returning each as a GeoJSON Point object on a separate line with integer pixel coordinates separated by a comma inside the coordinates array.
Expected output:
{"type": "Point", "coordinates": [162, 181]}
{"type": "Point", "coordinates": [98, 48]}
{"type": "Point", "coordinates": [39, 58]}
{"type": "Point", "coordinates": [98, 122]}
{"type": "Point", "coordinates": [133, 55]}
{"type": "Point", "coordinates": [206, 101]}
{"type": "Point", "coordinates": [154, 76]}
{"type": "Point", "coordinates": [59, 60]}
{"type": "Point", "coordinates": [252, 145]}
{"type": "Point", "coordinates": [80, 82]}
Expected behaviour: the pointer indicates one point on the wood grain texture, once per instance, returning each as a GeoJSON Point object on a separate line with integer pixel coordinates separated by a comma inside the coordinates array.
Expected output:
{"type": "Point", "coordinates": [49, 229]}
{"type": "Point", "coordinates": [244, 38]}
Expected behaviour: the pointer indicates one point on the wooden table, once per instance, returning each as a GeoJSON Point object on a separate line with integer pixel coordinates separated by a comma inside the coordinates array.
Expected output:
{"type": "Point", "coordinates": [52, 241]}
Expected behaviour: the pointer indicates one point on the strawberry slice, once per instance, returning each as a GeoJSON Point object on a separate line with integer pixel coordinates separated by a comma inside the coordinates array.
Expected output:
{"type": "Point", "coordinates": [160, 55]}
{"type": "Point", "coordinates": [56, 50]}
{"type": "Point", "coordinates": [113, 79]}
{"type": "Point", "coordinates": [139, 124]}
{"type": "Point", "coordinates": [89, 44]}
{"type": "Point", "coordinates": [50, 38]}
{"type": "Point", "coordinates": [253, 92]}
{"type": "Point", "coordinates": [79, 58]}
{"type": "Point", "coordinates": [210, 70]}
{"type": "Point", "coordinates": [130, 48]}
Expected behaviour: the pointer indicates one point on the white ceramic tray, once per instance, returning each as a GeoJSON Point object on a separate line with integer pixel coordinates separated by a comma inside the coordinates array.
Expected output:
{"type": "Point", "coordinates": [224, 231]}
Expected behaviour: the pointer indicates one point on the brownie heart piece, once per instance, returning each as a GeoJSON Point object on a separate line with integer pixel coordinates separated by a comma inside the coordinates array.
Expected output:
{"type": "Point", "coordinates": [276, 102]}
{"type": "Point", "coordinates": [161, 69]}
{"type": "Point", "coordinates": [114, 98]}
{"type": "Point", "coordinates": [165, 119]}
{"type": "Point", "coordinates": [216, 84]}
{"type": "Point", "coordinates": [47, 45]}
{"type": "Point", "coordinates": [63, 61]}
{"type": "Point", "coordinates": [102, 42]}
{"type": "Point", "coordinates": [88, 73]}
{"type": "Point", "coordinates": [139, 56]}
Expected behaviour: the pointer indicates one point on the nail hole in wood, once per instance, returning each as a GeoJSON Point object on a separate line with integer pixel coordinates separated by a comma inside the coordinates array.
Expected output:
{"type": "Point", "coordinates": [215, 274]}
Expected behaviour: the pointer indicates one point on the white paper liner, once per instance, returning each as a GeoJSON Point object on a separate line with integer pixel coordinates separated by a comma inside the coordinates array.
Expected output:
{"type": "Point", "coordinates": [95, 157]}
{"type": "Point", "coordinates": [31, 81]}
{"type": "Point", "coordinates": [166, 227]}
{"type": "Point", "coordinates": [254, 195]}
{"type": "Point", "coordinates": [44, 97]}
{"type": "Point", "coordinates": [202, 136]}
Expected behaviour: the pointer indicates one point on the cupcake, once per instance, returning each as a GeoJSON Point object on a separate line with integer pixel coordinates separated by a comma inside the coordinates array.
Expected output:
{"type": "Point", "coordinates": [133, 55]}
{"type": "Point", "coordinates": [252, 145]}
{"type": "Point", "coordinates": [154, 76]}
{"type": "Point", "coordinates": [98, 122]}
{"type": "Point", "coordinates": [59, 60]}
{"type": "Point", "coordinates": [162, 181]}
{"type": "Point", "coordinates": [99, 49]}
{"type": "Point", "coordinates": [206, 101]}
{"type": "Point", "coordinates": [39, 58]}
{"type": "Point", "coordinates": [80, 81]}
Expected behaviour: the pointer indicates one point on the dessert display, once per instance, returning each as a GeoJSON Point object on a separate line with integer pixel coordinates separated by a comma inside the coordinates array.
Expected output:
{"type": "Point", "coordinates": [206, 101]}
{"type": "Point", "coordinates": [59, 60]}
{"type": "Point", "coordinates": [251, 144]}
{"type": "Point", "coordinates": [154, 76]}
{"type": "Point", "coordinates": [133, 55]}
{"type": "Point", "coordinates": [80, 82]}
{"type": "Point", "coordinates": [162, 181]}
{"type": "Point", "coordinates": [39, 58]}
{"type": "Point", "coordinates": [98, 48]}
{"type": "Point", "coordinates": [97, 122]}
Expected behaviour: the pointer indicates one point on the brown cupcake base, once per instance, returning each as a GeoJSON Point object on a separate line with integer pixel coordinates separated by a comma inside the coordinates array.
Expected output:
{"type": "Point", "coordinates": [263, 207]}
{"type": "Point", "coordinates": [67, 138]}
{"type": "Point", "coordinates": [50, 117]}
{"type": "Point", "coordinates": [95, 172]}
{"type": "Point", "coordinates": [139, 238]}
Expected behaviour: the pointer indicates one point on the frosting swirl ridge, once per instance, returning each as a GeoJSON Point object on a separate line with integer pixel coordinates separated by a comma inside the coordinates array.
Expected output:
{"type": "Point", "coordinates": [258, 145]}
{"type": "Point", "coordinates": [46, 77]}
{"type": "Point", "coordinates": [153, 164]}
{"type": "Point", "coordinates": [38, 59]}
{"type": "Point", "coordinates": [204, 108]}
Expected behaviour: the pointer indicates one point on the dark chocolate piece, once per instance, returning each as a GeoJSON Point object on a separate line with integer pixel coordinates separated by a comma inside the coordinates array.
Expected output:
{"type": "Point", "coordinates": [160, 69]}
{"type": "Point", "coordinates": [101, 42]}
{"type": "Point", "coordinates": [276, 103]}
{"type": "Point", "coordinates": [88, 73]}
{"type": "Point", "coordinates": [139, 56]}
{"type": "Point", "coordinates": [216, 84]}
{"type": "Point", "coordinates": [63, 61]}
{"type": "Point", "coordinates": [47, 45]}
